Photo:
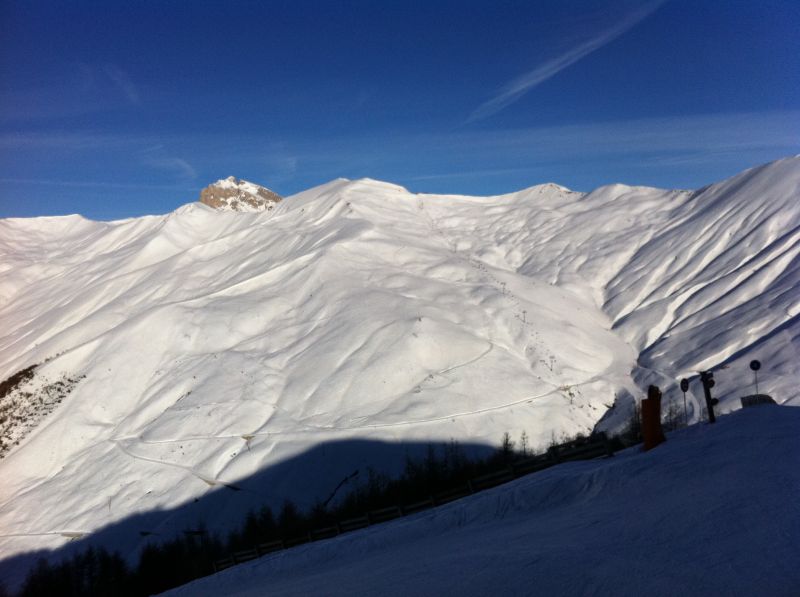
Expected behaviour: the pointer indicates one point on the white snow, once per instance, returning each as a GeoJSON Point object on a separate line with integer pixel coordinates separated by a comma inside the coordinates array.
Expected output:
{"type": "Point", "coordinates": [215, 344]}
{"type": "Point", "coordinates": [241, 185]}
{"type": "Point", "coordinates": [711, 512]}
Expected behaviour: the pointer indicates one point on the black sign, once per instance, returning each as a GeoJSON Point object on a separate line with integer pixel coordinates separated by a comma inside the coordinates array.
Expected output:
{"type": "Point", "coordinates": [755, 365]}
{"type": "Point", "coordinates": [708, 382]}
{"type": "Point", "coordinates": [684, 385]}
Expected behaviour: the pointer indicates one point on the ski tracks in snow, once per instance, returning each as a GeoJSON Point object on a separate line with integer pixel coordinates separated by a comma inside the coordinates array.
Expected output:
{"type": "Point", "coordinates": [518, 312]}
{"type": "Point", "coordinates": [484, 273]}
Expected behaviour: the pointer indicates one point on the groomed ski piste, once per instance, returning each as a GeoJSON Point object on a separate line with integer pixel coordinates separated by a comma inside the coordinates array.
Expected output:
{"type": "Point", "coordinates": [209, 349]}
{"type": "Point", "coordinates": [713, 511]}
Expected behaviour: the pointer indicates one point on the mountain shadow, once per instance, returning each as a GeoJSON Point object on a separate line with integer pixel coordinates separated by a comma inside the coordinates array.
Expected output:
{"type": "Point", "coordinates": [317, 480]}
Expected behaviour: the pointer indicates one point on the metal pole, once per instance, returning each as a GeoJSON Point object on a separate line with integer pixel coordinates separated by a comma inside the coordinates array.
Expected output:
{"type": "Point", "coordinates": [755, 365]}
{"type": "Point", "coordinates": [685, 411]}
{"type": "Point", "coordinates": [684, 387]}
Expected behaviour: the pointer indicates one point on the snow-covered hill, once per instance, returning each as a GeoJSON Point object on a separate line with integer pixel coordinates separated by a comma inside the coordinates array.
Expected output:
{"type": "Point", "coordinates": [711, 512]}
{"type": "Point", "coordinates": [208, 345]}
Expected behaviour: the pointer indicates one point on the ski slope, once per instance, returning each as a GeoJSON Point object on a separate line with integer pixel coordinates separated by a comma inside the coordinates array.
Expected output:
{"type": "Point", "coordinates": [208, 347]}
{"type": "Point", "coordinates": [710, 512]}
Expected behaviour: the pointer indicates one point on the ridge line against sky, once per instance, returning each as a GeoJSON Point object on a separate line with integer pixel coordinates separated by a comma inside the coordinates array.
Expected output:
{"type": "Point", "coordinates": [515, 89]}
{"type": "Point", "coordinates": [695, 141]}
{"type": "Point", "coordinates": [128, 110]}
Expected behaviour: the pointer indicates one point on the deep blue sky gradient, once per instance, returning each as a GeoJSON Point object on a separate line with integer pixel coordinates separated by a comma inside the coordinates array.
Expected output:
{"type": "Point", "coordinates": [116, 109]}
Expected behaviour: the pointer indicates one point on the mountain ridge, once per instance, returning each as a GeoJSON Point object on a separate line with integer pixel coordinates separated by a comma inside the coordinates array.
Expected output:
{"type": "Point", "coordinates": [358, 309]}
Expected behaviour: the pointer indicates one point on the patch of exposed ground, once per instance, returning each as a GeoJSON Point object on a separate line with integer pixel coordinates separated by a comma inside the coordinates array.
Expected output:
{"type": "Point", "coordinates": [26, 398]}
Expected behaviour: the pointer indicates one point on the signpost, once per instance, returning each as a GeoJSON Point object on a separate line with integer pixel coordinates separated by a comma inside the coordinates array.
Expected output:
{"type": "Point", "coordinates": [707, 377]}
{"type": "Point", "coordinates": [684, 389]}
{"type": "Point", "coordinates": [755, 365]}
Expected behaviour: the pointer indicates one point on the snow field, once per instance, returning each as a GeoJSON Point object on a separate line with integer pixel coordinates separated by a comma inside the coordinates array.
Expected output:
{"type": "Point", "coordinates": [216, 345]}
{"type": "Point", "coordinates": [708, 512]}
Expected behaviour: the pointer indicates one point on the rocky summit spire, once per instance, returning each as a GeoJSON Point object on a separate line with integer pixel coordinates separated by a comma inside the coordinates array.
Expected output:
{"type": "Point", "coordinates": [232, 194]}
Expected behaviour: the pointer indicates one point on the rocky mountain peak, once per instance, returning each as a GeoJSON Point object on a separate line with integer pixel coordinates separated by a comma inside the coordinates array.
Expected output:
{"type": "Point", "coordinates": [232, 194]}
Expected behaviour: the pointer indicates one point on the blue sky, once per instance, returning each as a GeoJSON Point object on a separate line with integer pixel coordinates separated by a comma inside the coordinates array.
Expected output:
{"type": "Point", "coordinates": [117, 109]}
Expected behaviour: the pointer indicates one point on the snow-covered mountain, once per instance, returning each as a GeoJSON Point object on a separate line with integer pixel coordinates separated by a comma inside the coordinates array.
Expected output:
{"type": "Point", "coordinates": [232, 194]}
{"type": "Point", "coordinates": [711, 512]}
{"type": "Point", "coordinates": [183, 353]}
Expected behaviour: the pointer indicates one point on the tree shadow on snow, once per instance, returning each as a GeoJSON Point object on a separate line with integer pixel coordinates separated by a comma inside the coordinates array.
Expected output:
{"type": "Point", "coordinates": [326, 472]}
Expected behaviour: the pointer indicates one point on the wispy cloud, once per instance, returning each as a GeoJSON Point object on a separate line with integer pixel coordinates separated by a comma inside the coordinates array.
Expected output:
{"type": "Point", "coordinates": [518, 87]}
{"type": "Point", "coordinates": [68, 140]}
{"type": "Point", "coordinates": [282, 164]}
{"type": "Point", "coordinates": [176, 166]}
{"type": "Point", "coordinates": [637, 151]}
{"type": "Point", "coordinates": [690, 139]}
{"type": "Point", "coordinates": [159, 158]}
{"type": "Point", "coordinates": [463, 156]}
{"type": "Point", "coordinates": [90, 184]}
{"type": "Point", "coordinates": [684, 134]}
{"type": "Point", "coordinates": [79, 89]}
{"type": "Point", "coordinates": [122, 82]}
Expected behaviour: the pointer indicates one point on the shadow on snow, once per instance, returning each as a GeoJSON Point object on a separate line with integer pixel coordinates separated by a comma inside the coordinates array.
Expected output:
{"type": "Point", "coordinates": [323, 473]}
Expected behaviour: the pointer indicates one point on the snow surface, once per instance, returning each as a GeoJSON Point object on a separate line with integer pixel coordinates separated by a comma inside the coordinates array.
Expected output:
{"type": "Point", "coordinates": [711, 512]}
{"type": "Point", "coordinates": [212, 346]}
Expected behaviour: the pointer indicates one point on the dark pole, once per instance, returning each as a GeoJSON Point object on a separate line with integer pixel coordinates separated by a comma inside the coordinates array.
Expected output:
{"type": "Point", "coordinates": [685, 411]}
{"type": "Point", "coordinates": [755, 366]}
{"type": "Point", "coordinates": [708, 382]}
{"type": "Point", "coordinates": [684, 388]}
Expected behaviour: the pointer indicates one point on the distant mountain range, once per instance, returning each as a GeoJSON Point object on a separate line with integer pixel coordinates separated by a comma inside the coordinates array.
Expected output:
{"type": "Point", "coordinates": [169, 357]}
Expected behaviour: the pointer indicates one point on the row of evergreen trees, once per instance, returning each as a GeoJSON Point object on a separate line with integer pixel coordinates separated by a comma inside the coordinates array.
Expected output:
{"type": "Point", "coordinates": [171, 563]}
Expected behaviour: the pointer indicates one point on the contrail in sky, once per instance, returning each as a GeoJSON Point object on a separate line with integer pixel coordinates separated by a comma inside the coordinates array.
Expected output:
{"type": "Point", "coordinates": [518, 87]}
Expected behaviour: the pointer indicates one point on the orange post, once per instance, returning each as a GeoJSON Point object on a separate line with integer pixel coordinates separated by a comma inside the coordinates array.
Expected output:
{"type": "Point", "coordinates": [652, 434]}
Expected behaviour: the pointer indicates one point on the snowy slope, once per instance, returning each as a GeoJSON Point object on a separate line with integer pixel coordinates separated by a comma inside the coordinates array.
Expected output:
{"type": "Point", "coordinates": [711, 512]}
{"type": "Point", "coordinates": [209, 345]}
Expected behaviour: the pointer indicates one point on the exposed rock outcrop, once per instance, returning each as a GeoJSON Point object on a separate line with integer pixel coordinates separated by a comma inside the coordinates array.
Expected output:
{"type": "Point", "coordinates": [232, 194]}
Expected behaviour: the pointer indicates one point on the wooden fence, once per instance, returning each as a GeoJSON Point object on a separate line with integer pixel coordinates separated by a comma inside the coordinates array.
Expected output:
{"type": "Point", "coordinates": [597, 447]}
